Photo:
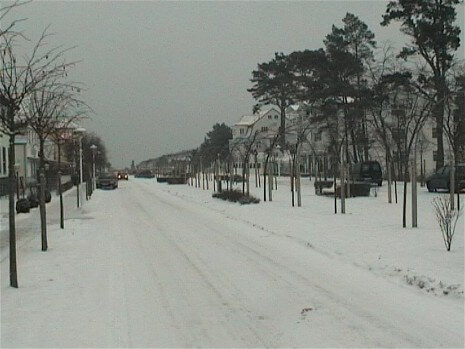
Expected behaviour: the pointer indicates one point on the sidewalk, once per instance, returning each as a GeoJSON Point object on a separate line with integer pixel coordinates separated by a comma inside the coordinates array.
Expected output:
{"type": "Point", "coordinates": [28, 224]}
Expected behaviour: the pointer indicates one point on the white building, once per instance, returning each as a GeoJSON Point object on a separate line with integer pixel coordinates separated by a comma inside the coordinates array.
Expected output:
{"type": "Point", "coordinates": [262, 128]}
{"type": "Point", "coordinates": [254, 133]}
{"type": "Point", "coordinates": [27, 155]}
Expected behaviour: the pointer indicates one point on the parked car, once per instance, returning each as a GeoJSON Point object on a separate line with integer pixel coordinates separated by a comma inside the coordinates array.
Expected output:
{"type": "Point", "coordinates": [441, 179]}
{"type": "Point", "coordinates": [144, 174]}
{"type": "Point", "coordinates": [123, 175]}
{"type": "Point", "coordinates": [107, 180]}
{"type": "Point", "coordinates": [368, 171]}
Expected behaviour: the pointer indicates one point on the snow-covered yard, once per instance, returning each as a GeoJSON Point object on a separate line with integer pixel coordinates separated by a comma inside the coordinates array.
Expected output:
{"type": "Point", "coordinates": [369, 235]}
{"type": "Point", "coordinates": [152, 265]}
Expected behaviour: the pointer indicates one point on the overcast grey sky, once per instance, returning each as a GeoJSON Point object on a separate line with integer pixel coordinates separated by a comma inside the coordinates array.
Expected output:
{"type": "Point", "coordinates": [160, 74]}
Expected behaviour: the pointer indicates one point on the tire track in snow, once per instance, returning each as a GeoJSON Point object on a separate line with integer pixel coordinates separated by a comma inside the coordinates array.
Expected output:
{"type": "Point", "coordinates": [367, 318]}
{"type": "Point", "coordinates": [222, 302]}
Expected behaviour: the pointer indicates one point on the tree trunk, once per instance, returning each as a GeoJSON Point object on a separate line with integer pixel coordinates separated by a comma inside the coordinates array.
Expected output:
{"type": "Point", "coordinates": [291, 175]}
{"type": "Point", "coordinates": [264, 179]}
{"type": "Point", "coordinates": [11, 216]}
{"type": "Point", "coordinates": [297, 181]}
{"type": "Point", "coordinates": [248, 179]}
{"type": "Point", "coordinates": [43, 215]}
{"type": "Point", "coordinates": [244, 174]}
{"type": "Point", "coordinates": [334, 185]}
{"type": "Point", "coordinates": [60, 191]}
{"type": "Point", "coordinates": [354, 147]}
{"type": "Point", "coordinates": [389, 178]}
{"type": "Point", "coordinates": [439, 117]}
{"type": "Point", "coordinates": [282, 128]}
{"type": "Point", "coordinates": [404, 207]}
{"type": "Point", "coordinates": [270, 181]}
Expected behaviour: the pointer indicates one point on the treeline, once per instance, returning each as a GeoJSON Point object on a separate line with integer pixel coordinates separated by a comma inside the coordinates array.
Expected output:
{"type": "Point", "coordinates": [362, 94]}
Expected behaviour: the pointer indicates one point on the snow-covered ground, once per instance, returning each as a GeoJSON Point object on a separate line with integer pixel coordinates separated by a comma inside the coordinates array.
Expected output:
{"type": "Point", "coordinates": [152, 265]}
{"type": "Point", "coordinates": [369, 235]}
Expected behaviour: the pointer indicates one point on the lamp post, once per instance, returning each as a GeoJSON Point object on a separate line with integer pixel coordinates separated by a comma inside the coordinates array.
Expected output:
{"type": "Point", "coordinates": [93, 148]}
{"type": "Point", "coordinates": [80, 132]}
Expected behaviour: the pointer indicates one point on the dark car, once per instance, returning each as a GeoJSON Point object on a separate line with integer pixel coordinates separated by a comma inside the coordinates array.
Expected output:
{"type": "Point", "coordinates": [144, 174]}
{"type": "Point", "coordinates": [107, 181]}
{"type": "Point", "coordinates": [368, 171]}
{"type": "Point", "coordinates": [123, 175]}
{"type": "Point", "coordinates": [441, 179]}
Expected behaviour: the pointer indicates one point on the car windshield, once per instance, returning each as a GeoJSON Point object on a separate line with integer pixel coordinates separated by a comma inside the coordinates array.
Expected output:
{"type": "Point", "coordinates": [444, 170]}
{"type": "Point", "coordinates": [106, 176]}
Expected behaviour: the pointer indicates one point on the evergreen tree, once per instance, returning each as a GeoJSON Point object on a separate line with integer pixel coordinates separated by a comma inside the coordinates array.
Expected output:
{"type": "Point", "coordinates": [434, 36]}
{"type": "Point", "coordinates": [216, 142]}
{"type": "Point", "coordinates": [273, 83]}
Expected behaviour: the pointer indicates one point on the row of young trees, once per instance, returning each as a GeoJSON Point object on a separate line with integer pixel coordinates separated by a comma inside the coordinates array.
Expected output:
{"type": "Point", "coordinates": [36, 93]}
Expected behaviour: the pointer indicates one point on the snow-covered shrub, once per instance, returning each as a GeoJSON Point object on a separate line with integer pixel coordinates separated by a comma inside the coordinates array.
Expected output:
{"type": "Point", "coordinates": [248, 199]}
{"type": "Point", "coordinates": [447, 219]}
{"type": "Point", "coordinates": [236, 196]}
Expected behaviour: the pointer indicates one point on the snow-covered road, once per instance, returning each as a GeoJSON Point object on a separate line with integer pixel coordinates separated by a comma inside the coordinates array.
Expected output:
{"type": "Point", "coordinates": [141, 267]}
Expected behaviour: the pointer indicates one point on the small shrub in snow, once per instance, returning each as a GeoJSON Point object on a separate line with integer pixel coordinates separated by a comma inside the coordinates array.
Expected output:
{"type": "Point", "coordinates": [236, 196]}
{"type": "Point", "coordinates": [447, 219]}
{"type": "Point", "coordinates": [247, 199]}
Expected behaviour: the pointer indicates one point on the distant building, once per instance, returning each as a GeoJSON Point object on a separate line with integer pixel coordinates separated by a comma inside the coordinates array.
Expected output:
{"type": "Point", "coordinates": [266, 123]}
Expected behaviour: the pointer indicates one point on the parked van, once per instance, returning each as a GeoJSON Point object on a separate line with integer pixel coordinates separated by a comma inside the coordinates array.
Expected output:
{"type": "Point", "coordinates": [441, 179]}
{"type": "Point", "coordinates": [368, 171]}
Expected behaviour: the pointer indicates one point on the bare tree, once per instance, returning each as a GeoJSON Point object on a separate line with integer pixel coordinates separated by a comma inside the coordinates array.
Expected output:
{"type": "Point", "coordinates": [4, 11]}
{"type": "Point", "coordinates": [44, 113]}
{"type": "Point", "coordinates": [244, 148]}
{"type": "Point", "coordinates": [409, 112]}
{"type": "Point", "coordinates": [447, 218]}
{"type": "Point", "coordinates": [299, 131]}
{"type": "Point", "coordinates": [18, 79]}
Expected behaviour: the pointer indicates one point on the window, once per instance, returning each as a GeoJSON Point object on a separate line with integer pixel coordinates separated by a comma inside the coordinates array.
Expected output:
{"type": "Point", "coordinates": [435, 155]}
{"type": "Point", "coordinates": [435, 132]}
{"type": "Point", "coordinates": [276, 116]}
{"type": "Point", "coordinates": [270, 116]}
{"type": "Point", "coordinates": [264, 128]}
{"type": "Point", "coordinates": [241, 131]}
{"type": "Point", "coordinates": [317, 136]}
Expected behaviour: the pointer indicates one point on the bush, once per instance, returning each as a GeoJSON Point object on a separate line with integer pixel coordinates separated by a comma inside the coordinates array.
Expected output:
{"type": "Point", "coordinates": [447, 219]}
{"type": "Point", "coordinates": [22, 206]}
{"type": "Point", "coordinates": [236, 196]}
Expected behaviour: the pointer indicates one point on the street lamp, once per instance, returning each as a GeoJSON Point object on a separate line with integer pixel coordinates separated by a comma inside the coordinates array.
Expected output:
{"type": "Point", "coordinates": [93, 148]}
{"type": "Point", "coordinates": [80, 132]}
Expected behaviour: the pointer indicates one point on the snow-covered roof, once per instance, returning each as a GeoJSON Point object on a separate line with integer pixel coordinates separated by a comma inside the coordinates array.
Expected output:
{"type": "Point", "coordinates": [249, 120]}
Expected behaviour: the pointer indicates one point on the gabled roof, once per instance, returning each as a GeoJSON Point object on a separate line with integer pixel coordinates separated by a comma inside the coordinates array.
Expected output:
{"type": "Point", "coordinates": [249, 120]}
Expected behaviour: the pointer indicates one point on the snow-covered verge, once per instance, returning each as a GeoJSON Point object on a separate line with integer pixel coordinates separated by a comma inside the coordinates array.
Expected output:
{"type": "Point", "coordinates": [369, 235]}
